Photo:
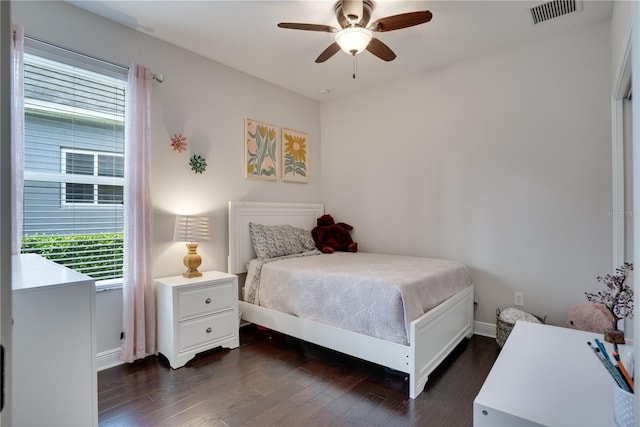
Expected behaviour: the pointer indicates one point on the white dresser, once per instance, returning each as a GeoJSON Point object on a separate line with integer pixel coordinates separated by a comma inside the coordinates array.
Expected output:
{"type": "Point", "coordinates": [196, 314]}
{"type": "Point", "coordinates": [53, 345]}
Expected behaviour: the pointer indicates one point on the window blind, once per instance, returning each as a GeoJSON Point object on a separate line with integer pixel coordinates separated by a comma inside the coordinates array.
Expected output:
{"type": "Point", "coordinates": [74, 164]}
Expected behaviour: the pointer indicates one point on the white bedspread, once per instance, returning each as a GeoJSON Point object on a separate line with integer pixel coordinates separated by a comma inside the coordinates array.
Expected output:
{"type": "Point", "coordinates": [373, 294]}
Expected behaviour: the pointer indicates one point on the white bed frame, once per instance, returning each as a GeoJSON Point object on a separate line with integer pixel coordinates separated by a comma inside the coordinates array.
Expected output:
{"type": "Point", "coordinates": [432, 336]}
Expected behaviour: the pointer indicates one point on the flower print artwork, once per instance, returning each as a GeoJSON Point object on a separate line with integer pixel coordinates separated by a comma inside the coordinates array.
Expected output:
{"type": "Point", "coordinates": [260, 150]}
{"type": "Point", "coordinates": [295, 156]}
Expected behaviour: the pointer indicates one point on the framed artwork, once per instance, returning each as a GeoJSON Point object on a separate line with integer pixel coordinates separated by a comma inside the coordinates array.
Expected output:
{"type": "Point", "coordinates": [295, 156]}
{"type": "Point", "coordinates": [260, 150]}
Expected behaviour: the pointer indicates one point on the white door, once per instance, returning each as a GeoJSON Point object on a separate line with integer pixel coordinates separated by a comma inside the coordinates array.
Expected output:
{"type": "Point", "coordinates": [635, 79]}
{"type": "Point", "coordinates": [5, 207]}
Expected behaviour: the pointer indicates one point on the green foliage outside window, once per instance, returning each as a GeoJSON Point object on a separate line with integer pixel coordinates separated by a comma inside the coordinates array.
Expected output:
{"type": "Point", "coordinates": [97, 255]}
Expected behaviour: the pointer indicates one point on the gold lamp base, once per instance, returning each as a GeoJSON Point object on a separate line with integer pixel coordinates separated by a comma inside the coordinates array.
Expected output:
{"type": "Point", "coordinates": [192, 261]}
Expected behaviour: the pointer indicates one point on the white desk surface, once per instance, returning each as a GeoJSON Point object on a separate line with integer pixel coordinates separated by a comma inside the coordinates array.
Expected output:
{"type": "Point", "coordinates": [548, 375]}
{"type": "Point", "coordinates": [31, 271]}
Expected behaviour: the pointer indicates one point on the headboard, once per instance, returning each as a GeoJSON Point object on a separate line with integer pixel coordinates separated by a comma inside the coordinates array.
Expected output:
{"type": "Point", "coordinates": [241, 251]}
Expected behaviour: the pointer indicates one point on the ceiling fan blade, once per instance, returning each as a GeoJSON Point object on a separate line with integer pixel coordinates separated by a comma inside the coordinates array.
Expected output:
{"type": "Point", "coordinates": [403, 20]}
{"type": "Point", "coordinates": [308, 27]}
{"type": "Point", "coordinates": [328, 52]}
{"type": "Point", "coordinates": [352, 9]}
{"type": "Point", "coordinates": [381, 50]}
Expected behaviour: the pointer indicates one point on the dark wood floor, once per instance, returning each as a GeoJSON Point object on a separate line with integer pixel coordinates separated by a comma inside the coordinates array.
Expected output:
{"type": "Point", "coordinates": [274, 380]}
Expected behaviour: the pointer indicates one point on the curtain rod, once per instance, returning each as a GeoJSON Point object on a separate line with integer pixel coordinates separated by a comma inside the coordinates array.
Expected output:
{"type": "Point", "coordinates": [157, 77]}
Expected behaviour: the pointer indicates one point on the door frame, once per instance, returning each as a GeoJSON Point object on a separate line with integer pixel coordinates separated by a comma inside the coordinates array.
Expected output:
{"type": "Point", "coordinates": [620, 91]}
{"type": "Point", "coordinates": [5, 206]}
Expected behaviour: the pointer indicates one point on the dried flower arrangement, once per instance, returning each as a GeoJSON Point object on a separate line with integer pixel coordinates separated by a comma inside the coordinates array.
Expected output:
{"type": "Point", "coordinates": [617, 297]}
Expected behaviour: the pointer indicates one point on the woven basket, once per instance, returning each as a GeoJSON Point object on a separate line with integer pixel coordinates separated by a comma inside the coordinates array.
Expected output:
{"type": "Point", "coordinates": [503, 329]}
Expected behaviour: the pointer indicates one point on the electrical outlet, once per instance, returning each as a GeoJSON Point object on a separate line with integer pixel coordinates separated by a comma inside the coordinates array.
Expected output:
{"type": "Point", "coordinates": [518, 299]}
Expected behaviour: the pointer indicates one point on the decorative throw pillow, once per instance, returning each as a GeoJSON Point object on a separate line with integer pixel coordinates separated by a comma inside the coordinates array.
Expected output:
{"type": "Point", "coordinates": [270, 241]}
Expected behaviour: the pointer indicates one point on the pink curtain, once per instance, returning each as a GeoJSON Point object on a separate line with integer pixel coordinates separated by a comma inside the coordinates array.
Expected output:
{"type": "Point", "coordinates": [17, 137]}
{"type": "Point", "coordinates": [138, 293]}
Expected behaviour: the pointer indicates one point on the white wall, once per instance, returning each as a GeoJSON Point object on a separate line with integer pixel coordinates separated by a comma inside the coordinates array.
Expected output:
{"type": "Point", "coordinates": [207, 102]}
{"type": "Point", "coordinates": [502, 162]}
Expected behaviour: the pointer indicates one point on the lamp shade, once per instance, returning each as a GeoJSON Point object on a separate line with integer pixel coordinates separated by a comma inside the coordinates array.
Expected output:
{"type": "Point", "coordinates": [191, 229]}
{"type": "Point", "coordinates": [353, 39]}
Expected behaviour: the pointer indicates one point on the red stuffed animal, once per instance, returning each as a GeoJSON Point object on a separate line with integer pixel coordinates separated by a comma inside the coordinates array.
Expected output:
{"type": "Point", "coordinates": [330, 237]}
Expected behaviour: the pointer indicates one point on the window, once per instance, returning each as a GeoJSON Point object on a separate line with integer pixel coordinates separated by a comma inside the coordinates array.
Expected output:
{"type": "Point", "coordinates": [79, 162]}
{"type": "Point", "coordinates": [74, 161]}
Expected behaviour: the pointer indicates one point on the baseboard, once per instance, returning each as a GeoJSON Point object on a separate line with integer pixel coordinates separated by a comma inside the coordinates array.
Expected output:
{"type": "Point", "coordinates": [485, 329]}
{"type": "Point", "coordinates": [108, 359]}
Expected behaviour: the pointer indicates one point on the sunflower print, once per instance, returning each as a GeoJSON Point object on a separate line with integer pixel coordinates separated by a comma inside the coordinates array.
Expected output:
{"type": "Point", "coordinates": [296, 146]}
{"type": "Point", "coordinates": [295, 156]}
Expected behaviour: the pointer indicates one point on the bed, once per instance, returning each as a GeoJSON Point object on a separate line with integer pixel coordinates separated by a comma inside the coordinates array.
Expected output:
{"type": "Point", "coordinates": [429, 338]}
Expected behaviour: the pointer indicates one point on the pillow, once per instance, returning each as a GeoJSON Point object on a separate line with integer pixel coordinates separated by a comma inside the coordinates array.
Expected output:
{"type": "Point", "coordinates": [270, 241]}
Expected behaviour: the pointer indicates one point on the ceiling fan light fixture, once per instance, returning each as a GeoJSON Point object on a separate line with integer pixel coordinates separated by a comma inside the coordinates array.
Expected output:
{"type": "Point", "coordinates": [353, 40]}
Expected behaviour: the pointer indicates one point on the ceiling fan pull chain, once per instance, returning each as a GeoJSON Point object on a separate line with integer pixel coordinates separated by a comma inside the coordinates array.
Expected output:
{"type": "Point", "coordinates": [355, 65]}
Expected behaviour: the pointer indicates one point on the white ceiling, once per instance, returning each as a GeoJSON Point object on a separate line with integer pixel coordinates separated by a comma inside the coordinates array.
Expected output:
{"type": "Point", "coordinates": [244, 35]}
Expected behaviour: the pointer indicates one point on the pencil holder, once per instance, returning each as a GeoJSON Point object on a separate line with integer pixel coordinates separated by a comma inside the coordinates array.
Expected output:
{"type": "Point", "coordinates": [622, 407]}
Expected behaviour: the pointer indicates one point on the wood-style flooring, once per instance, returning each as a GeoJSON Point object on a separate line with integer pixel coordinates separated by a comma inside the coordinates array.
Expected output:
{"type": "Point", "coordinates": [275, 380]}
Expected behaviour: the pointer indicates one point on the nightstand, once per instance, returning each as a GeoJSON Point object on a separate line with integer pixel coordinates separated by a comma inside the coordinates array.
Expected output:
{"type": "Point", "coordinates": [196, 314]}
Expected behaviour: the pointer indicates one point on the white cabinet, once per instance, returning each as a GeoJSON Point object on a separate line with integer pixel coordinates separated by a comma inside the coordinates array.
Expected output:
{"type": "Point", "coordinates": [54, 346]}
{"type": "Point", "coordinates": [196, 314]}
{"type": "Point", "coordinates": [546, 375]}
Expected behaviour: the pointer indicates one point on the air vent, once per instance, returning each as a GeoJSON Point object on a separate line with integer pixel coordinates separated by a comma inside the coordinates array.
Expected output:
{"type": "Point", "coordinates": [554, 9]}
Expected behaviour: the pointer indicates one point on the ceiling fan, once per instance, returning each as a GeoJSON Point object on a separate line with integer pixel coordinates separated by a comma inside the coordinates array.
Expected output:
{"type": "Point", "coordinates": [356, 33]}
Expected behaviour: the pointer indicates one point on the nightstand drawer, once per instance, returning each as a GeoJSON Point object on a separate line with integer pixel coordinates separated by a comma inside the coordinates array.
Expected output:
{"type": "Point", "coordinates": [203, 330]}
{"type": "Point", "coordinates": [200, 301]}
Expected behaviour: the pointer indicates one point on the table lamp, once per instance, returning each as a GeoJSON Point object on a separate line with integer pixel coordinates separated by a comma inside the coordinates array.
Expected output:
{"type": "Point", "coordinates": [191, 229]}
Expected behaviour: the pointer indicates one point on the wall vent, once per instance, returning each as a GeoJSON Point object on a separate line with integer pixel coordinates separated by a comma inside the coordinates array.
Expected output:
{"type": "Point", "coordinates": [554, 9]}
